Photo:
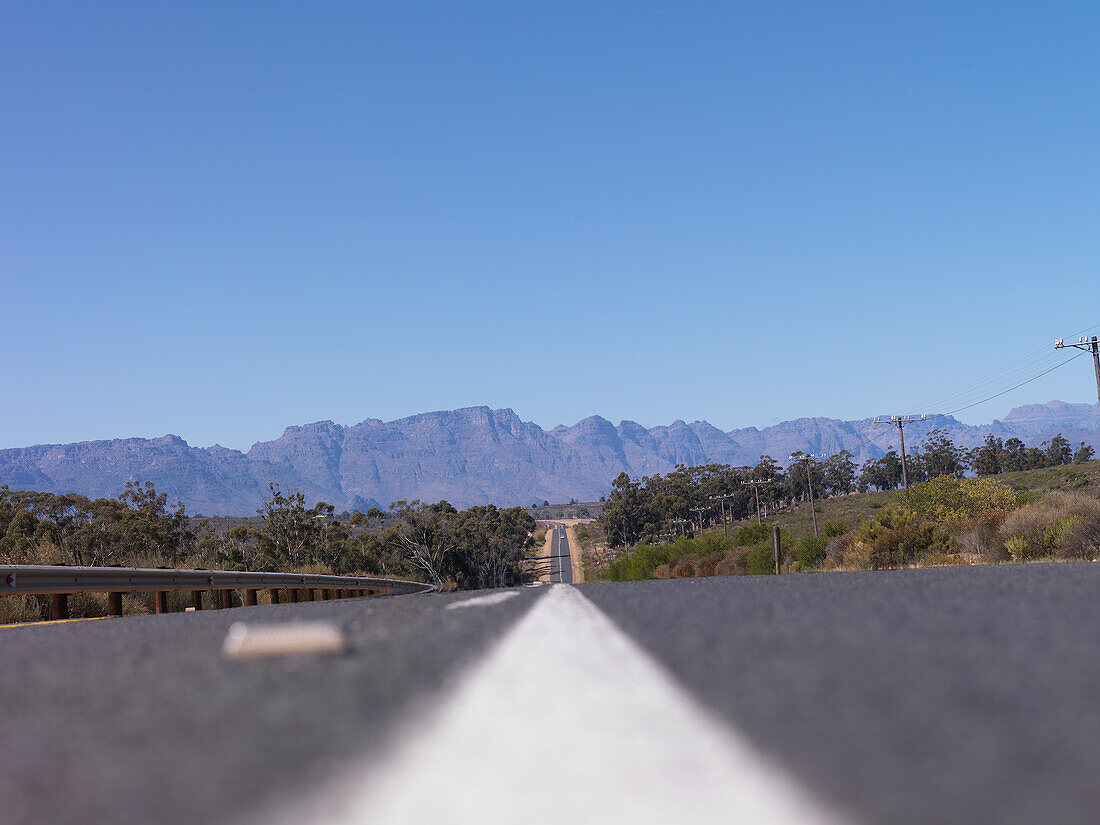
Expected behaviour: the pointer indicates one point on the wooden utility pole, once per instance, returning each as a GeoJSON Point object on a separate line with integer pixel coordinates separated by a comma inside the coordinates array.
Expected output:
{"type": "Point", "coordinates": [722, 501]}
{"type": "Point", "coordinates": [756, 489]}
{"type": "Point", "coordinates": [1088, 345]}
{"type": "Point", "coordinates": [809, 458]}
{"type": "Point", "coordinates": [901, 421]}
{"type": "Point", "coordinates": [777, 549]}
{"type": "Point", "coordinates": [700, 511]}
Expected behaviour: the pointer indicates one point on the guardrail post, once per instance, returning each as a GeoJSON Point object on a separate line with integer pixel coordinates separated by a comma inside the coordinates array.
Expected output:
{"type": "Point", "coordinates": [114, 603]}
{"type": "Point", "coordinates": [250, 597]}
{"type": "Point", "coordinates": [196, 599]}
{"type": "Point", "coordinates": [294, 595]}
{"type": "Point", "coordinates": [777, 549]}
{"type": "Point", "coordinates": [274, 595]}
{"type": "Point", "coordinates": [59, 606]}
{"type": "Point", "coordinates": [162, 601]}
{"type": "Point", "coordinates": [227, 598]}
{"type": "Point", "coordinates": [311, 594]}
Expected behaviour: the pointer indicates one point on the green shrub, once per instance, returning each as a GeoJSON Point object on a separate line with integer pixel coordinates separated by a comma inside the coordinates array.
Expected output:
{"type": "Point", "coordinates": [809, 552]}
{"type": "Point", "coordinates": [760, 560]}
{"type": "Point", "coordinates": [641, 563]}
{"type": "Point", "coordinates": [832, 529]}
{"type": "Point", "coordinates": [751, 534]}
{"type": "Point", "coordinates": [645, 558]}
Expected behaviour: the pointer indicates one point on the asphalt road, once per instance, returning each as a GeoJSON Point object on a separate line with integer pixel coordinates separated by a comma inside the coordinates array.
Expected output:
{"type": "Point", "coordinates": [561, 568]}
{"type": "Point", "coordinates": [951, 695]}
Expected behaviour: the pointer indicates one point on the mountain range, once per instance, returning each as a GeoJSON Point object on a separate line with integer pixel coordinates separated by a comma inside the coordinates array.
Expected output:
{"type": "Point", "coordinates": [475, 455]}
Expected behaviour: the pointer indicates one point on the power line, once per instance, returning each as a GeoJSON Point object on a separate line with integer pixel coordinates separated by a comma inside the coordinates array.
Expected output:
{"type": "Point", "coordinates": [990, 385]}
{"type": "Point", "coordinates": [1017, 386]}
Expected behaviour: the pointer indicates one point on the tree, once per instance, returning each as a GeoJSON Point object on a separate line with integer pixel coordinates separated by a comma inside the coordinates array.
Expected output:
{"type": "Point", "coordinates": [986, 459]}
{"type": "Point", "coordinates": [840, 473]}
{"type": "Point", "coordinates": [1014, 456]}
{"type": "Point", "coordinates": [1083, 454]}
{"type": "Point", "coordinates": [623, 517]}
{"type": "Point", "coordinates": [1059, 452]}
{"type": "Point", "coordinates": [942, 457]}
{"type": "Point", "coordinates": [426, 537]}
{"type": "Point", "coordinates": [290, 532]}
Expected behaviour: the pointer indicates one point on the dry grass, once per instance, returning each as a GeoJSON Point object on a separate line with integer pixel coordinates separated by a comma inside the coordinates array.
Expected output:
{"type": "Point", "coordinates": [1060, 525]}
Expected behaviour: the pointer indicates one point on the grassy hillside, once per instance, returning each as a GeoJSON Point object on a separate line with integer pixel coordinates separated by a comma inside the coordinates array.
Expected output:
{"type": "Point", "coordinates": [1081, 478]}
{"type": "Point", "coordinates": [1034, 515]}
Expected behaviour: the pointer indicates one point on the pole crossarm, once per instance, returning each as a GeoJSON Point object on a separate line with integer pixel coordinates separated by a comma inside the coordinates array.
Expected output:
{"type": "Point", "coordinates": [901, 420]}
{"type": "Point", "coordinates": [1087, 345]}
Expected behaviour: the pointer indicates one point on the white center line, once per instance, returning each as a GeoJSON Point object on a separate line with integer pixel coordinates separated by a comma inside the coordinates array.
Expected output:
{"type": "Point", "coordinates": [568, 720]}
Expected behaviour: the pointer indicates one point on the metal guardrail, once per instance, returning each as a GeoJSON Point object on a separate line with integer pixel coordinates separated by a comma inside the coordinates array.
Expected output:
{"type": "Point", "coordinates": [60, 581]}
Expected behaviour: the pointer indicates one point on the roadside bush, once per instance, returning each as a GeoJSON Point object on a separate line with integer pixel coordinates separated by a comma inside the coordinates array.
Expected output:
{"type": "Point", "coordinates": [641, 563]}
{"type": "Point", "coordinates": [645, 559]}
{"type": "Point", "coordinates": [978, 537]}
{"type": "Point", "coordinates": [896, 537]}
{"type": "Point", "coordinates": [832, 529]}
{"type": "Point", "coordinates": [685, 570]}
{"type": "Point", "coordinates": [836, 549]}
{"type": "Point", "coordinates": [749, 535]}
{"type": "Point", "coordinates": [809, 552]}
{"type": "Point", "coordinates": [760, 560]}
{"type": "Point", "coordinates": [1062, 525]}
{"type": "Point", "coordinates": [947, 498]}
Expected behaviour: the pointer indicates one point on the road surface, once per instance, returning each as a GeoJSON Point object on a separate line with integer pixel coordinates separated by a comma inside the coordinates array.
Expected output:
{"type": "Point", "coordinates": [561, 567]}
{"type": "Point", "coordinates": [948, 695]}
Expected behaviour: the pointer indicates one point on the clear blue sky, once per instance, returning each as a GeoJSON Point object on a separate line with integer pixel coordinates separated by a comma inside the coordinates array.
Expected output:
{"type": "Point", "coordinates": [218, 219]}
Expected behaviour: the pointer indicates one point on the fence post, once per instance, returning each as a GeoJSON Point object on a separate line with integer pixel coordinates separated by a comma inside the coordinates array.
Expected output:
{"type": "Point", "coordinates": [777, 550]}
{"type": "Point", "coordinates": [59, 606]}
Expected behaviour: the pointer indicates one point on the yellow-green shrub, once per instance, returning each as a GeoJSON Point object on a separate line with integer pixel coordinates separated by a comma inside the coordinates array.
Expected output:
{"type": "Point", "coordinates": [947, 498]}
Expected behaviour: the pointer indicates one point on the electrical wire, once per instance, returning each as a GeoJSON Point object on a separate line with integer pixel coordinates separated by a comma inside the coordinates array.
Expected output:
{"type": "Point", "coordinates": [1017, 386]}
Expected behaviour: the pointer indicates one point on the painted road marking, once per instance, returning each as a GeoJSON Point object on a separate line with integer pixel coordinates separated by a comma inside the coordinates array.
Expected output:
{"type": "Point", "coordinates": [567, 691]}
{"type": "Point", "coordinates": [484, 601]}
{"type": "Point", "coordinates": [54, 621]}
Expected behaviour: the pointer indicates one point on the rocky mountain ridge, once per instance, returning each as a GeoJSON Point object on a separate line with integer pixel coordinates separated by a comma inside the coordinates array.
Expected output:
{"type": "Point", "coordinates": [475, 456]}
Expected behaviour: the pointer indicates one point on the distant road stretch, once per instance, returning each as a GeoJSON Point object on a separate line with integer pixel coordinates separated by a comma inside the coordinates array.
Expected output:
{"type": "Point", "coordinates": [561, 566]}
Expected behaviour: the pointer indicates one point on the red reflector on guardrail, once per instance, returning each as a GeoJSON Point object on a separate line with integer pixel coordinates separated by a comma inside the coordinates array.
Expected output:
{"type": "Point", "coordinates": [11, 580]}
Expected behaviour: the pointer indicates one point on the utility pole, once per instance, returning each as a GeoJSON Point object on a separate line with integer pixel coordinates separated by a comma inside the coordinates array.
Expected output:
{"type": "Point", "coordinates": [809, 459]}
{"type": "Point", "coordinates": [700, 511]}
{"type": "Point", "coordinates": [756, 489]}
{"type": "Point", "coordinates": [722, 501]}
{"type": "Point", "coordinates": [1088, 345]}
{"type": "Point", "coordinates": [901, 421]}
